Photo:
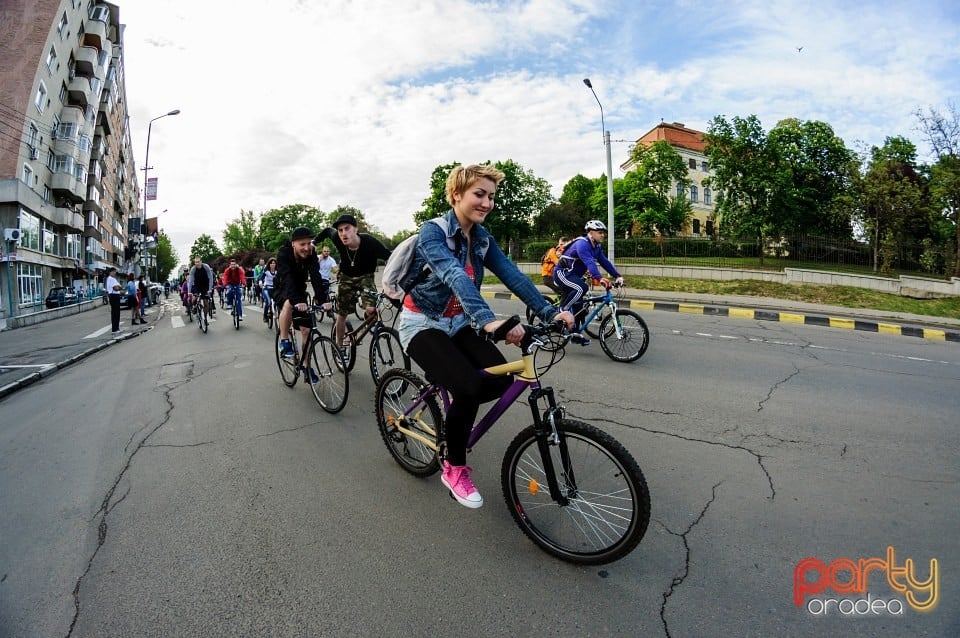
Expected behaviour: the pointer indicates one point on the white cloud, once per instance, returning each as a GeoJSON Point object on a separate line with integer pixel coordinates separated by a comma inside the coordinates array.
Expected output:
{"type": "Point", "coordinates": [355, 102]}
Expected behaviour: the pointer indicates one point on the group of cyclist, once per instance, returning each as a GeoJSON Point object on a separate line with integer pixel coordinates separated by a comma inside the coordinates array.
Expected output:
{"type": "Point", "coordinates": [444, 324]}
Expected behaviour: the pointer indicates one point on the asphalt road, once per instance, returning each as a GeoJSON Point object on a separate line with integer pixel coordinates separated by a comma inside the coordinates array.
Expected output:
{"type": "Point", "coordinates": [171, 485]}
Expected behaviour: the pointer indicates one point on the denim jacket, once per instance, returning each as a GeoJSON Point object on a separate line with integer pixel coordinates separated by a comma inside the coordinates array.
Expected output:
{"type": "Point", "coordinates": [449, 278]}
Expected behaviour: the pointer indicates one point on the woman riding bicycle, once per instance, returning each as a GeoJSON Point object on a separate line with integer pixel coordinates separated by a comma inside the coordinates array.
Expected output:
{"type": "Point", "coordinates": [435, 324]}
{"type": "Point", "coordinates": [266, 281]}
{"type": "Point", "coordinates": [579, 257]}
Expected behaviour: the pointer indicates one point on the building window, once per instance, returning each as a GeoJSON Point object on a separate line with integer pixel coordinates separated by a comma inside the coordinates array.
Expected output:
{"type": "Point", "coordinates": [63, 93]}
{"type": "Point", "coordinates": [30, 283]}
{"type": "Point", "coordinates": [62, 164]}
{"type": "Point", "coordinates": [696, 226]}
{"type": "Point", "coordinates": [710, 227]}
{"type": "Point", "coordinates": [40, 101]}
{"type": "Point", "coordinates": [694, 197]}
{"type": "Point", "coordinates": [50, 242]}
{"type": "Point", "coordinates": [27, 175]}
{"type": "Point", "coordinates": [679, 189]}
{"type": "Point", "coordinates": [51, 58]}
{"type": "Point", "coordinates": [29, 230]}
{"type": "Point", "coordinates": [692, 163]}
{"type": "Point", "coordinates": [47, 194]}
{"type": "Point", "coordinates": [62, 26]}
{"type": "Point", "coordinates": [73, 246]}
{"type": "Point", "coordinates": [703, 166]}
{"type": "Point", "coordinates": [706, 195]}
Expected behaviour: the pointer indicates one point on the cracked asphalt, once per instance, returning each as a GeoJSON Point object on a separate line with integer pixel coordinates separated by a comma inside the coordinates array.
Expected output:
{"type": "Point", "coordinates": [170, 485]}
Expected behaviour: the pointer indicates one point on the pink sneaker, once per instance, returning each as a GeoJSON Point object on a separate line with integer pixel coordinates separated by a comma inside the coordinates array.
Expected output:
{"type": "Point", "coordinates": [457, 480]}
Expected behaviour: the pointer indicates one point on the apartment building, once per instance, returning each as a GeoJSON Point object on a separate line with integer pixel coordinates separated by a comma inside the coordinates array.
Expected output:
{"type": "Point", "coordinates": [68, 182]}
{"type": "Point", "coordinates": [690, 144]}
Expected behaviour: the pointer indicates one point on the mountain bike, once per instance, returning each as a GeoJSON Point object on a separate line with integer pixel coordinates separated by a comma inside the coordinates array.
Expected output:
{"type": "Point", "coordinates": [573, 489]}
{"type": "Point", "coordinates": [318, 359]}
{"type": "Point", "coordinates": [623, 334]}
{"type": "Point", "coordinates": [385, 349]}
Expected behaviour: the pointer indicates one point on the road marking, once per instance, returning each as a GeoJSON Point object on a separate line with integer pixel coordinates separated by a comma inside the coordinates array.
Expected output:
{"type": "Point", "coordinates": [177, 321]}
{"type": "Point", "coordinates": [99, 332]}
{"type": "Point", "coordinates": [27, 365]}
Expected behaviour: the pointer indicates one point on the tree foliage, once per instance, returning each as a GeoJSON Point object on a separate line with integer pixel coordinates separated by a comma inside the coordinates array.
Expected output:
{"type": "Point", "coordinates": [167, 258]}
{"type": "Point", "coordinates": [942, 131]}
{"type": "Point", "coordinates": [205, 248]}
{"type": "Point", "coordinates": [276, 224]}
{"type": "Point", "coordinates": [242, 234]}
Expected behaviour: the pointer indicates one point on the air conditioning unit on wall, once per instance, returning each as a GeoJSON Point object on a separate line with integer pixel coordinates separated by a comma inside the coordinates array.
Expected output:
{"type": "Point", "coordinates": [11, 234]}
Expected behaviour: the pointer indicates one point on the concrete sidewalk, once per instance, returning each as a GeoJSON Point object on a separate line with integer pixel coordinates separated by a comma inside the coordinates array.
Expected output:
{"type": "Point", "coordinates": [35, 351]}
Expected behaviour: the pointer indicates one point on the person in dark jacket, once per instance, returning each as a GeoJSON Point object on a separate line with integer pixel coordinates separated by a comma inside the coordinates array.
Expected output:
{"type": "Point", "coordinates": [296, 263]}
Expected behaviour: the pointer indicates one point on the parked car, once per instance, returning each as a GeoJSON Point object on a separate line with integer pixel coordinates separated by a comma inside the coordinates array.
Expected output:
{"type": "Point", "coordinates": [153, 293]}
{"type": "Point", "coordinates": [61, 296]}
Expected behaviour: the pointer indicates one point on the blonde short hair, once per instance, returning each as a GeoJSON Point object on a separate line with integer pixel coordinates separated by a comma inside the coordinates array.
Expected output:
{"type": "Point", "coordinates": [463, 177]}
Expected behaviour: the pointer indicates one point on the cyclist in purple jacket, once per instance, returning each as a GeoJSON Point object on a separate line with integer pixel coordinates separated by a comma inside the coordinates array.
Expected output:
{"type": "Point", "coordinates": [580, 257]}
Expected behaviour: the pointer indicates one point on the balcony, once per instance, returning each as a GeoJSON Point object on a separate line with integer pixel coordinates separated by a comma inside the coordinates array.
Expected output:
{"type": "Point", "coordinates": [74, 221]}
{"type": "Point", "coordinates": [92, 232]}
{"type": "Point", "coordinates": [86, 60]}
{"type": "Point", "coordinates": [98, 150]}
{"type": "Point", "coordinates": [93, 201]}
{"type": "Point", "coordinates": [67, 187]}
{"type": "Point", "coordinates": [79, 91]}
{"type": "Point", "coordinates": [95, 30]}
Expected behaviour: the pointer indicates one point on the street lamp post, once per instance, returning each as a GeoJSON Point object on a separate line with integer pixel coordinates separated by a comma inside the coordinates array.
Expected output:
{"type": "Point", "coordinates": [606, 142]}
{"type": "Point", "coordinates": [146, 172]}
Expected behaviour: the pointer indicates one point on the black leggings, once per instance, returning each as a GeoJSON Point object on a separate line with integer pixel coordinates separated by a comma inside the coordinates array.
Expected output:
{"type": "Point", "coordinates": [456, 362]}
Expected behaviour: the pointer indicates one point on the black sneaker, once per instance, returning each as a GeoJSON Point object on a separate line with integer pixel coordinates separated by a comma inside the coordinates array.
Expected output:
{"type": "Point", "coordinates": [579, 339]}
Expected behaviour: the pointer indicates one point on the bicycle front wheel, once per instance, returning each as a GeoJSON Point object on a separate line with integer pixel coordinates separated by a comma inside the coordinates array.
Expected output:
{"type": "Point", "coordinates": [414, 448]}
{"type": "Point", "coordinates": [203, 319]}
{"type": "Point", "coordinates": [386, 352]}
{"type": "Point", "coordinates": [604, 505]}
{"type": "Point", "coordinates": [634, 340]}
{"type": "Point", "coordinates": [332, 385]}
{"type": "Point", "coordinates": [288, 365]}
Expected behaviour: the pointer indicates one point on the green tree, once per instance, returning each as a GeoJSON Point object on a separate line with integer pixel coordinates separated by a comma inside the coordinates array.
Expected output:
{"type": "Point", "coordinates": [647, 187]}
{"type": "Point", "coordinates": [890, 195]}
{"type": "Point", "coordinates": [812, 174]}
{"type": "Point", "coordinates": [743, 174]}
{"type": "Point", "coordinates": [276, 224]}
{"type": "Point", "coordinates": [242, 234]}
{"type": "Point", "coordinates": [205, 248]}
{"type": "Point", "coordinates": [435, 204]}
{"type": "Point", "coordinates": [167, 258]}
{"type": "Point", "coordinates": [942, 131]}
{"type": "Point", "coordinates": [521, 197]}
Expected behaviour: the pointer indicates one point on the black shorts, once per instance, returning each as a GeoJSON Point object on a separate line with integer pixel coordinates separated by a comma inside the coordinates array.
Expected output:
{"type": "Point", "coordinates": [300, 319]}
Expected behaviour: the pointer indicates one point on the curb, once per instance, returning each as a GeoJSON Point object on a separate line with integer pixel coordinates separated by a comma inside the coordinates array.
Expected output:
{"type": "Point", "coordinates": [33, 377]}
{"type": "Point", "coordinates": [845, 323]}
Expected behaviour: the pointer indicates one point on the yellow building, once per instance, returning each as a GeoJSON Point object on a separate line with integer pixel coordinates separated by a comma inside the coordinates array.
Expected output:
{"type": "Point", "coordinates": [690, 144]}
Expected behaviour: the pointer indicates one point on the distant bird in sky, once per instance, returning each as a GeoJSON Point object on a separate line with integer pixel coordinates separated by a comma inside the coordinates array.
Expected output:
{"type": "Point", "coordinates": [799, 49]}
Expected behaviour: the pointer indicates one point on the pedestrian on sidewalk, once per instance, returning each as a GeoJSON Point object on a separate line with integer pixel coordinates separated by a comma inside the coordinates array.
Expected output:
{"type": "Point", "coordinates": [113, 294]}
{"type": "Point", "coordinates": [132, 301]}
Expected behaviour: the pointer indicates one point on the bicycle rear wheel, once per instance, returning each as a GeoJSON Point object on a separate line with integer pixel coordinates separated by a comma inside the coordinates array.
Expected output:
{"type": "Point", "coordinates": [386, 352]}
{"type": "Point", "coordinates": [415, 449]}
{"type": "Point", "coordinates": [289, 370]}
{"type": "Point", "coordinates": [350, 351]}
{"type": "Point", "coordinates": [607, 506]}
{"type": "Point", "coordinates": [333, 384]}
{"type": "Point", "coordinates": [636, 336]}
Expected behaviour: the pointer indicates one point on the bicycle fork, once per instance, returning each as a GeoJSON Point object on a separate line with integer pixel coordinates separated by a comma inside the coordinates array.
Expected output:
{"type": "Point", "coordinates": [548, 436]}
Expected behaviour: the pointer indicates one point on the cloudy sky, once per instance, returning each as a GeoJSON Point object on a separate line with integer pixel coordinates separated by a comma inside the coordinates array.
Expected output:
{"type": "Point", "coordinates": [355, 102]}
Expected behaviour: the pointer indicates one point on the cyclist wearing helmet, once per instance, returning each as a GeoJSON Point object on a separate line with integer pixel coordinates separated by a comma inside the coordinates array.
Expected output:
{"type": "Point", "coordinates": [580, 257]}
